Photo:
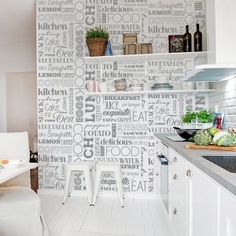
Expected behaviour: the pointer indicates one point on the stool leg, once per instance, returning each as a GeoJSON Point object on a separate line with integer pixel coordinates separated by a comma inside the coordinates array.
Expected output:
{"type": "Point", "coordinates": [96, 185]}
{"type": "Point", "coordinates": [66, 190]}
{"type": "Point", "coordinates": [119, 186]}
{"type": "Point", "coordinates": [88, 185]}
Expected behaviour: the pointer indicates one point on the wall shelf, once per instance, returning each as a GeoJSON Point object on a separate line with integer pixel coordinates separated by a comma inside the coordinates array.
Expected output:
{"type": "Point", "coordinates": [149, 92]}
{"type": "Point", "coordinates": [147, 56]}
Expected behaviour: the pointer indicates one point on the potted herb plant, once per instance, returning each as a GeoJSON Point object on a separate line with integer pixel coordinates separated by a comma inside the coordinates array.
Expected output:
{"type": "Point", "coordinates": [97, 39]}
{"type": "Point", "coordinates": [198, 120]}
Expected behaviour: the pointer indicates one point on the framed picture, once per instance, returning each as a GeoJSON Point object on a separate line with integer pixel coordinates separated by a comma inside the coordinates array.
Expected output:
{"type": "Point", "coordinates": [176, 43]}
{"type": "Point", "coordinates": [130, 38]}
{"type": "Point", "coordinates": [145, 48]}
{"type": "Point", "coordinates": [131, 48]}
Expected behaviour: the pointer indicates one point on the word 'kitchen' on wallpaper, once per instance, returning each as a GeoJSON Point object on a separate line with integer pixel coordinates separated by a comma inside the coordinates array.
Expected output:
{"type": "Point", "coordinates": [75, 126]}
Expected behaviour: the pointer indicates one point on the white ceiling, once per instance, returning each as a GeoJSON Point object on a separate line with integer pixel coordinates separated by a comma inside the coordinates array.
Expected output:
{"type": "Point", "coordinates": [17, 21]}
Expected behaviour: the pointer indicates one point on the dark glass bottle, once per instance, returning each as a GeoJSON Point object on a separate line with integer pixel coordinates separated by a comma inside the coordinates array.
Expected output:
{"type": "Point", "coordinates": [187, 40]}
{"type": "Point", "coordinates": [198, 40]}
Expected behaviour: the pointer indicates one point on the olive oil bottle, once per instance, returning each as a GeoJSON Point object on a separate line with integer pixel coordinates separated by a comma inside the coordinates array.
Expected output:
{"type": "Point", "coordinates": [197, 40]}
{"type": "Point", "coordinates": [187, 40]}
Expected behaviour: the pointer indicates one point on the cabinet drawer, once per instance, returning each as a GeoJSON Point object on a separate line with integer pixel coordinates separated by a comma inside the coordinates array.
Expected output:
{"type": "Point", "coordinates": [178, 222]}
{"type": "Point", "coordinates": [157, 174]}
{"type": "Point", "coordinates": [178, 175]}
{"type": "Point", "coordinates": [178, 182]}
{"type": "Point", "coordinates": [175, 158]}
{"type": "Point", "coordinates": [177, 164]}
{"type": "Point", "coordinates": [176, 202]}
{"type": "Point", "coordinates": [178, 191]}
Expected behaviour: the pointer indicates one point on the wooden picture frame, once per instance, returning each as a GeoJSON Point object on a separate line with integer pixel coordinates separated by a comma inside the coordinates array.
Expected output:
{"type": "Point", "coordinates": [130, 38]}
{"type": "Point", "coordinates": [145, 48]}
{"type": "Point", "coordinates": [132, 48]}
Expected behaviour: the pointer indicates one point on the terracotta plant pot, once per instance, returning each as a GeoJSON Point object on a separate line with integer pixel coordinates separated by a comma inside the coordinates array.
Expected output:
{"type": "Point", "coordinates": [97, 46]}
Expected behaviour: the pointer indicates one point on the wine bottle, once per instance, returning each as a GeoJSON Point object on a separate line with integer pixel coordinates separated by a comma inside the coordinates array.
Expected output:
{"type": "Point", "coordinates": [187, 40]}
{"type": "Point", "coordinates": [198, 40]}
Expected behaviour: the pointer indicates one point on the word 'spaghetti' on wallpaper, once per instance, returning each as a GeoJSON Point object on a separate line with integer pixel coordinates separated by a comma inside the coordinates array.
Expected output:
{"type": "Point", "coordinates": [73, 126]}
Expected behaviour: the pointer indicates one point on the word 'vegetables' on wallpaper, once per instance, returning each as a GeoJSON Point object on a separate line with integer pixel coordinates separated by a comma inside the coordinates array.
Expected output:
{"type": "Point", "coordinates": [74, 126]}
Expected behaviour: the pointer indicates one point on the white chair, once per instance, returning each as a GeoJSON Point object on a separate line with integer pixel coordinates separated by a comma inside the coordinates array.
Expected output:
{"type": "Point", "coordinates": [84, 167]}
{"type": "Point", "coordinates": [20, 212]}
{"type": "Point", "coordinates": [108, 167]}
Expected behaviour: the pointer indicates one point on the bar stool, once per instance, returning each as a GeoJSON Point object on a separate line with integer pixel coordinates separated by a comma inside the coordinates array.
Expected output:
{"type": "Point", "coordinates": [84, 167]}
{"type": "Point", "coordinates": [107, 167]}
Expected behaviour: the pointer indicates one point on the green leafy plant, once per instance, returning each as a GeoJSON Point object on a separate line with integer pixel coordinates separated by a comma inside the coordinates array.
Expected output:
{"type": "Point", "coordinates": [188, 117]}
{"type": "Point", "coordinates": [203, 116]}
{"type": "Point", "coordinates": [97, 32]}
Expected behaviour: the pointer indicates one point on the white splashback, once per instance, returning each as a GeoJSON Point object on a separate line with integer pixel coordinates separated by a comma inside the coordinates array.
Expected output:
{"type": "Point", "coordinates": [224, 99]}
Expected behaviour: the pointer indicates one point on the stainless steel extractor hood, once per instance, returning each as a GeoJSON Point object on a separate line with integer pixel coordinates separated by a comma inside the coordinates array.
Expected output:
{"type": "Point", "coordinates": [212, 73]}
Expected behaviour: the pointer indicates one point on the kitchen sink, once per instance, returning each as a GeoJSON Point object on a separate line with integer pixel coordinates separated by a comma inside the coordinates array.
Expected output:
{"type": "Point", "coordinates": [226, 162]}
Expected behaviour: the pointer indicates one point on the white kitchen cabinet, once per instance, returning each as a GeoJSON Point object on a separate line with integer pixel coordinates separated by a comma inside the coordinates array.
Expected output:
{"type": "Point", "coordinates": [193, 199]}
{"type": "Point", "coordinates": [203, 203]}
{"type": "Point", "coordinates": [178, 193]}
{"type": "Point", "coordinates": [198, 206]}
{"type": "Point", "coordinates": [227, 214]}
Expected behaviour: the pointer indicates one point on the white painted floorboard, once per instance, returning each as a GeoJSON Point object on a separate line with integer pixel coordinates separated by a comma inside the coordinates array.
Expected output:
{"type": "Point", "coordinates": [106, 218]}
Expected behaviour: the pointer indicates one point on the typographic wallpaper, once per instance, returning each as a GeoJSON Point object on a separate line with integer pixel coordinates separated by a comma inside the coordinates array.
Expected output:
{"type": "Point", "coordinates": [72, 125]}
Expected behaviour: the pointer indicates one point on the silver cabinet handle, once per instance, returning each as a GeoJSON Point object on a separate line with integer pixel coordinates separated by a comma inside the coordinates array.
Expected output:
{"type": "Point", "coordinates": [189, 173]}
{"type": "Point", "coordinates": [175, 211]}
{"type": "Point", "coordinates": [175, 177]}
{"type": "Point", "coordinates": [175, 159]}
{"type": "Point", "coordinates": [157, 174]}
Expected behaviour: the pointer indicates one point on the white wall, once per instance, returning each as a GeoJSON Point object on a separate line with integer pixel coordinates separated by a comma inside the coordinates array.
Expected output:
{"type": "Point", "coordinates": [22, 103]}
{"type": "Point", "coordinates": [17, 44]}
{"type": "Point", "coordinates": [2, 102]}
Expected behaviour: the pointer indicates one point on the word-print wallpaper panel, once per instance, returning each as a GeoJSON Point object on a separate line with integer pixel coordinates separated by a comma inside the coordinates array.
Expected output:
{"type": "Point", "coordinates": [74, 126]}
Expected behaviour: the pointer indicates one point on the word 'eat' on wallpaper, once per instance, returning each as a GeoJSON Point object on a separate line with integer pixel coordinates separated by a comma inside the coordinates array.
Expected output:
{"type": "Point", "coordinates": [74, 126]}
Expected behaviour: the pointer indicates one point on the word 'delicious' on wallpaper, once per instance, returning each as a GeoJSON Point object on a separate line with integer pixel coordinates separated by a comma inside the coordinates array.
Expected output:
{"type": "Point", "coordinates": [73, 126]}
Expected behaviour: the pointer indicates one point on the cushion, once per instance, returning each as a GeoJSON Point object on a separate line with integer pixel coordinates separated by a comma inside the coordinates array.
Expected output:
{"type": "Point", "coordinates": [20, 212]}
{"type": "Point", "coordinates": [18, 202]}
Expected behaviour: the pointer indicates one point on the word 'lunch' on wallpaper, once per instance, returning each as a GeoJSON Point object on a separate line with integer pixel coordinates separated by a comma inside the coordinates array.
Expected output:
{"type": "Point", "coordinates": [75, 126]}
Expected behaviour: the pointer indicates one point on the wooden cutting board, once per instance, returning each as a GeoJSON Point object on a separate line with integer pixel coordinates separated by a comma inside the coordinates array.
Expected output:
{"type": "Point", "coordinates": [210, 147]}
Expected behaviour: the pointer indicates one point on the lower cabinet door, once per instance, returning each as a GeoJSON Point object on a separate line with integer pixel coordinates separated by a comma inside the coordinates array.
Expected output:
{"type": "Point", "coordinates": [227, 214]}
{"type": "Point", "coordinates": [203, 204]}
{"type": "Point", "coordinates": [177, 221]}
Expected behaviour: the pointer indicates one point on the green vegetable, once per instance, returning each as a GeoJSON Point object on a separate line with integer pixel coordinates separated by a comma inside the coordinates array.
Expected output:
{"type": "Point", "coordinates": [227, 140]}
{"type": "Point", "coordinates": [218, 136]}
{"type": "Point", "coordinates": [213, 131]}
{"type": "Point", "coordinates": [202, 138]}
{"type": "Point", "coordinates": [203, 116]}
{"type": "Point", "coordinates": [97, 32]}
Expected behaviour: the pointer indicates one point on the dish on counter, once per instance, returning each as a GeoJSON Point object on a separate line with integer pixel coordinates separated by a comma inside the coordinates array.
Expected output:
{"type": "Point", "coordinates": [186, 134]}
{"type": "Point", "coordinates": [11, 163]}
